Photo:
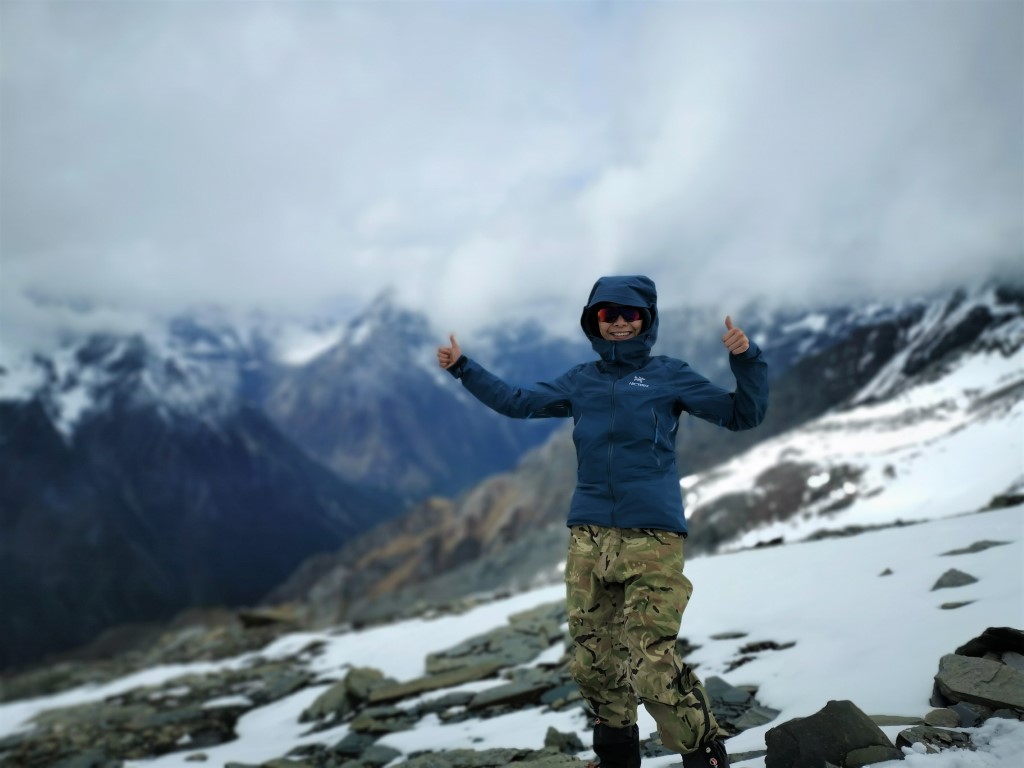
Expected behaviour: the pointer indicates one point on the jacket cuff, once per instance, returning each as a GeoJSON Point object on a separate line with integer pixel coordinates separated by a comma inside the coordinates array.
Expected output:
{"type": "Point", "coordinates": [750, 353]}
{"type": "Point", "coordinates": [459, 367]}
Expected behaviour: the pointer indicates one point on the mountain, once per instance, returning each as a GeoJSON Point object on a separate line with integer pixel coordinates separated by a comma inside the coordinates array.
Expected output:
{"type": "Point", "coordinates": [870, 404]}
{"type": "Point", "coordinates": [375, 407]}
{"type": "Point", "coordinates": [134, 483]}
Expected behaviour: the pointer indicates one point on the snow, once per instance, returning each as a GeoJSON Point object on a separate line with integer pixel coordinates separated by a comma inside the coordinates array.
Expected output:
{"type": "Point", "coordinates": [20, 378]}
{"type": "Point", "coordinates": [812, 323]}
{"type": "Point", "coordinates": [906, 449]}
{"type": "Point", "coordinates": [873, 639]}
{"type": "Point", "coordinates": [297, 346]}
{"type": "Point", "coordinates": [228, 701]}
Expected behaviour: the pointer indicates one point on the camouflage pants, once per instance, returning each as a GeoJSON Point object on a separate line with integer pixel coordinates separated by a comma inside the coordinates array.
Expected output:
{"type": "Point", "coordinates": [626, 593]}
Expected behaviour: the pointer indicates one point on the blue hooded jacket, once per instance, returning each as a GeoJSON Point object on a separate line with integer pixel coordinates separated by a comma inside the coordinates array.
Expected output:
{"type": "Point", "coordinates": [626, 409]}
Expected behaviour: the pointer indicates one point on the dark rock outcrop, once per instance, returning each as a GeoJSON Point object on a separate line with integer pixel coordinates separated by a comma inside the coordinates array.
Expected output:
{"type": "Point", "coordinates": [840, 734]}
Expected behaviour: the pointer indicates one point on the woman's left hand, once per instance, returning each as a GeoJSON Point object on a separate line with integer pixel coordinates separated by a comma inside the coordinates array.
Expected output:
{"type": "Point", "coordinates": [735, 339]}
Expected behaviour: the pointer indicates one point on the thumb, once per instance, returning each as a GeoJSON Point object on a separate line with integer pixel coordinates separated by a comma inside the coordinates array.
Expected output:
{"type": "Point", "coordinates": [728, 322]}
{"type": "Point", "coordinates": [451, 338]}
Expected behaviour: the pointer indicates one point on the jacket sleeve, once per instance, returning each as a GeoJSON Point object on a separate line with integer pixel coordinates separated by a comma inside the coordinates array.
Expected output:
{"type": "Point", "coordinates": [743, 409]}
{"type": "Point", "coordinates": [541, 400]}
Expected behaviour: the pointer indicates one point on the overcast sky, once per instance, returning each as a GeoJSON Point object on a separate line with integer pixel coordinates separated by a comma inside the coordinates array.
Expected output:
{"type": "Point", "coordinates": [490, 158]}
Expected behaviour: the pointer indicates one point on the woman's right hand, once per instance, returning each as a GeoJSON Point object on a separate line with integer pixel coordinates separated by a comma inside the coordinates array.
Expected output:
{"type": "Point", "coordinates": [448, 356]}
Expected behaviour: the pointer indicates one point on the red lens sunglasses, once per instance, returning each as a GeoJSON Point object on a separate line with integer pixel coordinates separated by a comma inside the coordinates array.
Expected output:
{"type": "Point", "coordinates": [629, 314]}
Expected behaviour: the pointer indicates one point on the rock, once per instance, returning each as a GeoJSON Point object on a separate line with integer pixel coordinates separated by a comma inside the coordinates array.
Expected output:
{"type": "Point", "coordinates": [381, 720]}
{"type": "Point", "coordinates": [448, 679]}
{"type": "Point", "coordinates": [738, 757]}
{"type": "Point", "coordinates": [886, 572]}
{"type": "Point", "coordinates": [441, 704]}
{"type": "Point", "coordinates": [970, 715]}
{"type": "Point", "coordinates": [934, 740]}
{"type": "Point", "coordinates": [562, 696]}
{"type": "Point", "coordinates": [514, 694]}
{"type": "Point", "coordinates": [736, 708]}
{"type": "Point", "coordinates": [332, 702]}
{"type": "Point", "coordinates": [285, 682]}
{"type": "Point", "coordinates": [756, 716]}
{"type": "Point", "coordinates": [1006, 714]}
{"type": "Point", "coordinates": [954, 606]}
{"type": "Point", "coordinates": [994, 640]}
{"type": "Point", "coordinates": [378, 755]}
{"type": "Point", "coordinates": [1014, 659]}
{"type": "Point", "coordinates": [493, 758]}
{"type": "Point", "coordinates": [1004, 500]}
{"type": "Point", "coordinates": [363, 681]}
{"type": "Point", "coordinates": [980, 681]}
{"type": "Point", "coordinates": [93, 758]}
{"type": "Point", "coordinates": [722, 692]}
{"type": "Point", "coordinates": [828, 736]}
{"type": "Point", "coordinates": [857, 758]}
{"type": "Point", "coordinates": [261, 617]}
{"type": "Point", "coordinates": [885, 720]}
{"type": "Point", "coordinates": [509, 646]}
{"type": "Point", "coordinates": [765, 645]}
{"type": "Point", "coordinates": [652, 746]}
{"type": "Point", "coordinates": [344, 697]}
{"type": "Point", "coordinates": [942, 718]}
{"type": "Point", "coordinates": [953, 578]}
{"type": "Point", "coordinates": [284, 762]}
{"type": "Point", "coordinates": [568, 743]}
{"type": "Point", "coordinates": [354, 744]}
{"type": "Point", "coordinates": [978, 546]}
{"type": "Point", "coordinates": [728, 635]}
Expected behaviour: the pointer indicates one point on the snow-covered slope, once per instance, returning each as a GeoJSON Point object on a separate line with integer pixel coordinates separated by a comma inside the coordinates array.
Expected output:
{"type": "Point", "coordinates": [940, 443]}
{"type": "Point", "coordinates": [859, 634]}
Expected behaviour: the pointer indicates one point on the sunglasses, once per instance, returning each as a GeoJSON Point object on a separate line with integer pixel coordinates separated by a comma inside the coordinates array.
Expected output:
{"type": "Point", "coordinates": [629, 314]}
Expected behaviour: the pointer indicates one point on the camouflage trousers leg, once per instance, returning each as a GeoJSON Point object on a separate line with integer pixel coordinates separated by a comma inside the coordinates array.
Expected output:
{"type": "Point", "coordinates": [626, 594]}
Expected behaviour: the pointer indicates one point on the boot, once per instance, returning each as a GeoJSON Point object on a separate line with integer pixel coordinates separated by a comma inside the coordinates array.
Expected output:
{"type": "Point", "coordinates": [617, 747]}
{"type": "Point", "coordinates": [710, 754]}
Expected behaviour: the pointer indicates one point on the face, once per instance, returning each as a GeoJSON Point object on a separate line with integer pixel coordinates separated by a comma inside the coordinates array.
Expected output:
{"type": "Point", "coordinates": [619, 329]}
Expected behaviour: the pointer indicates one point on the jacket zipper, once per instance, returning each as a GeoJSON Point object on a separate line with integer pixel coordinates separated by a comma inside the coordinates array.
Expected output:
{"type": "Point", "coordinates": [611, 430]}
{"type": "Point", "coordinates": [657, 435]}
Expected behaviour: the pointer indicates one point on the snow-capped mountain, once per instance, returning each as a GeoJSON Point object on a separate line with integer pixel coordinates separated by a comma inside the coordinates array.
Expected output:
{"type": "Point", "coordinates": [135, 483]}
{"type": "Point", "coordinates": [949, 404]}
{"type": "Point", "coordinates": [865, 429]}
{"type": "Point", "coordinates": [374, 406]}
{"type": "Point", "coordinates": [154, 473]}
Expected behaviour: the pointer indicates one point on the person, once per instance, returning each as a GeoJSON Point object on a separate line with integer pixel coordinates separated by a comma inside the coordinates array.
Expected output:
{"type": "Point", "coordinates": [625, 587]}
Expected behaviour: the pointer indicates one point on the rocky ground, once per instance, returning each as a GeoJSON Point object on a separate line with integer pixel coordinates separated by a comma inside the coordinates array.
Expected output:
{"type": "Point", "coordinates": [187, 714]}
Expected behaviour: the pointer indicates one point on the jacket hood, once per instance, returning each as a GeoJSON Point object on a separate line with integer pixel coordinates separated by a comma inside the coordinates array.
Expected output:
{"type": "Point", "coordinates": [628, 290]}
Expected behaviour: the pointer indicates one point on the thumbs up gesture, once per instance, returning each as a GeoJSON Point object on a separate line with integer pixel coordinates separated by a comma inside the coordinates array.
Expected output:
{"type": "Point", "coordinates": [448, 356]}
{"type": "Point", "coordinates": [735, 339]}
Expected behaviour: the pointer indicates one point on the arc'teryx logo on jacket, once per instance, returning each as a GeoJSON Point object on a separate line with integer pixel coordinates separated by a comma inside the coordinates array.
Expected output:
{"type": "Point", "coordinates": [626, 407]}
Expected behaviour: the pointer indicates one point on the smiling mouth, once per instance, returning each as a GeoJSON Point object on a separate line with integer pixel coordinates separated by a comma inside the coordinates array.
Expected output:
{"type": "Point", "coordinates": [621, 334]}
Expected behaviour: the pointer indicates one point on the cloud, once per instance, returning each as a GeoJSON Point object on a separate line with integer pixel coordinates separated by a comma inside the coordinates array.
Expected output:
{"type": "Point", "coordinates": [480, 158]}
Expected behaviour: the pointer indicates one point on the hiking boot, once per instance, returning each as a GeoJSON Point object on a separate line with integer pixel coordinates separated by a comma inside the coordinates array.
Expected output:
{"type": "Point", "coordinates": [617, 747]}
{"type": "Point", "coordinates": [710, 754]}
